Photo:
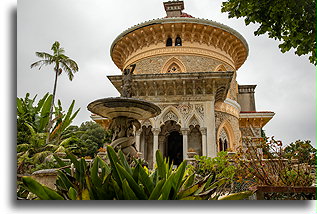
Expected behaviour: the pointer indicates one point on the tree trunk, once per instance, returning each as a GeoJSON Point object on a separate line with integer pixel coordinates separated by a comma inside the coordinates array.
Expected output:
{"type": "Point", "coordinates": [50, 122]}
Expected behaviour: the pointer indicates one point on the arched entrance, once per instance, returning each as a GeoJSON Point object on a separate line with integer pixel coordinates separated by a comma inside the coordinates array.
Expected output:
{"type": "Point", "coordinates": [175, 147]}
{"type": "Point", "coordinates": [171, 141]}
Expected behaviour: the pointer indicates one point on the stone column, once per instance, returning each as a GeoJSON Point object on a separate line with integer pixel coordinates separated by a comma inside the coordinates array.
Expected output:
{"type": "Point", "coordinates": [143, 145]}
{"type": "Point", "coordinates": [138, 140]}
{"type": "Point", "coordinates": [156, 132]}
{"type": "Point", "coordinates": [211, 128]}
{"type": "Point", "coordinates": [203, 131]}
{"type": "Point", "coordinates": [185, 142]}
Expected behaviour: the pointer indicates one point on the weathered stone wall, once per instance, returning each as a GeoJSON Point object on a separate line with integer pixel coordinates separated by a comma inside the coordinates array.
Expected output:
{"type": "Point", "coordinates": [248, 132]}
{"type": "Point", "coordinates": [194, 140]}
{"type": "Point", "coordinates": [153, 65]}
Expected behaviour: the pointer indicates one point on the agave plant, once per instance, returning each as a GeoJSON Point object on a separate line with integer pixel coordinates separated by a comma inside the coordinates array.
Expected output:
{"type": "Point", "coordinates": [117, 180]}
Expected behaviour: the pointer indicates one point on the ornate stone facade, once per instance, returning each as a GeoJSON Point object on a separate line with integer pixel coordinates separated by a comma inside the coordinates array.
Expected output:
{"type": "Point", "coordinates": [188, 67]}
{"type": "Point", "coordinates": [230, 124]}
{"type": "Point", "coordinates": [184, 63]}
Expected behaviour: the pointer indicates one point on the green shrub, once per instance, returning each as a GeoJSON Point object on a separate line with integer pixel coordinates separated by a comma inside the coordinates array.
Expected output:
{"type": "Point", "coordinates": [117, 180]}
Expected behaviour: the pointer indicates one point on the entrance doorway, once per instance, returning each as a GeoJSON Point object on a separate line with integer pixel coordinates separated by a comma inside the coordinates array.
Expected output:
{"type": "Point", "coordinates": [175, 147]}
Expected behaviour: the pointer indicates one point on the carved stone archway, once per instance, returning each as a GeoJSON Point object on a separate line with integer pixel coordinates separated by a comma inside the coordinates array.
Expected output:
{"type": "Point", "coordinates": [225, 137]}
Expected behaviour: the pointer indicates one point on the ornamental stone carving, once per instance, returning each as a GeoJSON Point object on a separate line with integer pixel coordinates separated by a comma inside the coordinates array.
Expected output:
{"type": "Point", "coordinates": [200, 110]}
{"type": "Point", "coordinates": [185, 110]}
{"type": "Point", "coordinates": [223, 135]}
{"type": "Point", "coordinates": [146, 123]}
{"type": "Point", "coordinates": [156, 64]}
{"type": "Point", "coordinates": [193, 122]}
{"type": "Point", "coordinates": [232, 120]}
{"type": "Point", "coordinates": [170, 116]}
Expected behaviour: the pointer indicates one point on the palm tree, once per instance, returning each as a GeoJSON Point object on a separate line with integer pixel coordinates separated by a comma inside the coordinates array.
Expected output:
{"type": "Point", "coordinates": [61, 62]}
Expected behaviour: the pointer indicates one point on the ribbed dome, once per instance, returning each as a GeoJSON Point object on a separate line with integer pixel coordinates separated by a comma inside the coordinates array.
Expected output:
{"type": "Point", "coordinates": [200, 37]}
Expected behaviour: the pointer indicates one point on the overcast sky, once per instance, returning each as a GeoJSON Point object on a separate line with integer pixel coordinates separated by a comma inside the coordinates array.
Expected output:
{"type": "Point", "coordinates": [86, 29]}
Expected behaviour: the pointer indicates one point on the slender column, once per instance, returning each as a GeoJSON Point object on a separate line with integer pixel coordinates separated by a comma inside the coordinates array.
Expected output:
{"type": "Point", "coordinates": [144, 146]}
{"type": "Point", "coordinates": [156, 132]}
{"type": "Point", "coordinates": [203, 131]}
{"type": "Point", "coordinates": [138, 140]}
{"type": "Point", "coordinates": [211, 129]}
{"type": "Point", "coordinates": [185, 142]}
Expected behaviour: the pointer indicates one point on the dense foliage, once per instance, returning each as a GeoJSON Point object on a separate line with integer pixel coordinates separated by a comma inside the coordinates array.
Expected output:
{"type": "Point", "coordinates": [117, 180]}
{"type": "Point", "coordinates": [303, 151]}
{"type": "Point", "coordinates": [221, 165]}
{"type": "Point", "coordinates": [85, 140]}
{"type": "Point", "coordinates": [32, 120]}
{"type": "Point", "coordinates": [274, 170]}
{"type": "Point", "coordinates": [291, 21]}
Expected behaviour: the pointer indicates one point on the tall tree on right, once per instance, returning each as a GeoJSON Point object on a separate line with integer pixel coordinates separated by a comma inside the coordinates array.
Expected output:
{"type": "Point", "coordinates": [291, 21]}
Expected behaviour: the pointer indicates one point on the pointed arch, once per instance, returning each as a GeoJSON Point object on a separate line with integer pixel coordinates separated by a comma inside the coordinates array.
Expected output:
{"type": "Point", "coordinates": [173, 65]}
{"type": "Point", "coordinates": [221, 67]}
{"type": "Point", "coordinates": [147, 123]}
{"type": "Point", "coordinates": [227, 128]}
{"type": "Point", "coordinates": [170, 113]}
{"type": "Point", "coordinates": [194, 120]}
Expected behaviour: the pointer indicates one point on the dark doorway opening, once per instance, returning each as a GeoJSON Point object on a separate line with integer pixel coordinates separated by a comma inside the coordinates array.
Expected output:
{"type": "Point", "coordinates": [175, 147]}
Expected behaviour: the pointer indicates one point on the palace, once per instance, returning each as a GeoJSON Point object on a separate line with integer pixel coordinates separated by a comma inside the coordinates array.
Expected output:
{"type": "Point", "coordinates": [188, 67]}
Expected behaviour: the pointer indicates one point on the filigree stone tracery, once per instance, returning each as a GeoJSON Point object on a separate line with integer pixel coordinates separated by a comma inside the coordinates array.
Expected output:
{"type": "Point", "coordinates": [174, 68]}
{"type": "Point", "coordinates": [200, 110]}
{"type": "Point", "coordinates": [170, 116]}
{"type": "Point", "coordinates": [193, 122]}
{"type": "Point", "coordinates": [223, 135]}
{"type": "Point", "coordinates": [185, 110]}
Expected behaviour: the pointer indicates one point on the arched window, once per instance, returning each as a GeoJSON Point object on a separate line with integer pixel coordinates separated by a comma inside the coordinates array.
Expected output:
{"type": "Point", "coordinates": [223, 141]}
{"type": "Point", "coordinates": [178, 41]}
{"type": "Point", "coordinates": [174, 68]}
{"type": "Point", "coordinates": [225, 145]}
{"type": "Point", "coordinates": [169, 41]}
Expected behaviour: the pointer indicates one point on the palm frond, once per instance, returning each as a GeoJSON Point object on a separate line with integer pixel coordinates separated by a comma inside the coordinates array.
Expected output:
{"type": "Point", "coordinates": [73, 65]}
{"type": "Point", "coordinates": [45, 56]}
{"type": "Point", "coordinates": [68, 70]}
{"type": "Point", "coordinates": [60, 149]}
{"type": "Point", "coordinates": [57, 49]}
{"type": "Point", "coordinates": [40, 156]}
{"type": "Point", "coordinates": [40, 63]}
{"type": "Point", "coordinates": [23, 147]}
{"type": "Point", "coordinates": [50, 147]}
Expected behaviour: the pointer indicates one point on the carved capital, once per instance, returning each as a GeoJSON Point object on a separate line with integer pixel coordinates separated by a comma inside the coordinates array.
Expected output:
{"type": "Point", "coordinates": [203, 130]}
{"type": "Point", "coordinates": [184, 131]}
{"type": "Point", "coordinates": [156, 131]}
{"type": "Point", "coordinates": [138, 132]}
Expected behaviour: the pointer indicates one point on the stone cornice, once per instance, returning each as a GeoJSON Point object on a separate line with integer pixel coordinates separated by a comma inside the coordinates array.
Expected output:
{"type": "Point", "coordinates": [255, 119]}
{"type": "Point", "coordinates": [179, 86]}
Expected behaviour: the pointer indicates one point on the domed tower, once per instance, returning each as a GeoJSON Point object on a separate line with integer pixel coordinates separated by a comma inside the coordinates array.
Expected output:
{"type": "Point", "coordinates": [187, 66]}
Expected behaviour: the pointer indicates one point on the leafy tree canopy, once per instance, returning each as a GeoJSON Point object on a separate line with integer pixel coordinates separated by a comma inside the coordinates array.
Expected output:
{"type": "Point", "coordinates": [85, 140]}
{"type": "Point", "coordinates": [301, 150]}
{"type": "Point", "coordinates": [290, 21]}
